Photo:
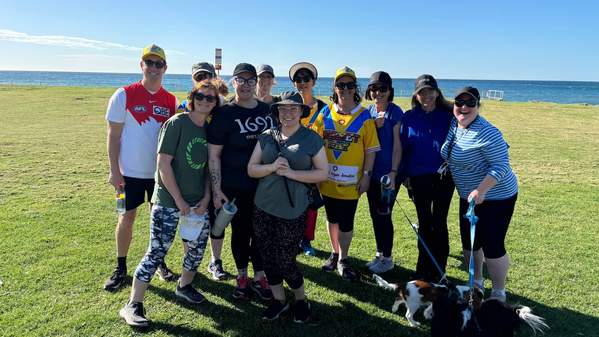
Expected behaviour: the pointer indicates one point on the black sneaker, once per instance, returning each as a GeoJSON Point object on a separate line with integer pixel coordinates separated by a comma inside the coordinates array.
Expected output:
{"type": "Point", "coordinates": [331, 263]}
{"type": "Point", "coordinates": [165, 274]}
{"type": "Point", "coordinates": [134, 314]}
{"type": "Point", "coordinates": [261, 288]}
{"type": "Point", "coordinates": [116, 280]}
{"type": "Point", "coordinates": [301, 311]}
{"type": "Point", "coordinates": [216, 269]}
{"type": "Point", "coordinates": [189, 294]}
{"type": "Point", "coordinates": [346, 271]}
{"type": "Point", "coordinates": [274, 310]}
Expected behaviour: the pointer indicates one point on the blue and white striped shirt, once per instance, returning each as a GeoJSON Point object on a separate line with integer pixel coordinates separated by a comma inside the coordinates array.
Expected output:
{"type": "Point", "coordinates": [478, 151]}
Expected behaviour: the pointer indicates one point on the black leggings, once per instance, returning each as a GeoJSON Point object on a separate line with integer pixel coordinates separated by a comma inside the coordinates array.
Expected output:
{"type": "Point", "coordinates": [432, 197]}
{"type": "Point", "coordinates": [494, 217]}
{"type": "Point", "coordinates": [276, 239]}
{"type": "Point", "coordinates": [382, 224]}
{"type": "Point", "coordinates": [243, 245]}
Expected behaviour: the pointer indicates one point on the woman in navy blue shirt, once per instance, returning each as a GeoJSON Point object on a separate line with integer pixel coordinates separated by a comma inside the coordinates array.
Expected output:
{"type": "Point", "coordinates": [423, 131]}
{"type": "Point", "coordinates": [387, 117]}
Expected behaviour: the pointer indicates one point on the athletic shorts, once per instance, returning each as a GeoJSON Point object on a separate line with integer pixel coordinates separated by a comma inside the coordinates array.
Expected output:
{"type": "Point", "coordinates": [135, 189]}
{"type": "Point", "coordinates": [341, 212]}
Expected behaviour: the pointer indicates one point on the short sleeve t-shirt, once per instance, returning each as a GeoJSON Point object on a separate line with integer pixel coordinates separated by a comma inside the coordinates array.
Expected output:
{"type": "Point", "coordinates": [142, 114]}
{"type": "Point", "coordinates": [347, 138]}
{"type": "Point", "coordinates": [271, 194]}
{"type": "Point", "coordinates": [186, 142]}
{"type": "Point", "coordinates": [384, 158]}
{"type": "Point", "coordinates": [237, 129]}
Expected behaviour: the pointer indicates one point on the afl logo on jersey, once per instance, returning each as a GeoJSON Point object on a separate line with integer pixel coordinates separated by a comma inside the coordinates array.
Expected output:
{"type": "Point", "coordinates": [139, 108]}
{"type": "Point", "coordinates": [161, 111]}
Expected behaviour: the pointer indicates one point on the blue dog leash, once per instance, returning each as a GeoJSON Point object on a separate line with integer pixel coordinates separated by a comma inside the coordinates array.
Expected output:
{"type": "Point", "coordinates": [473, 220]}
{"type": "Point", "coordinates": [430, 254]}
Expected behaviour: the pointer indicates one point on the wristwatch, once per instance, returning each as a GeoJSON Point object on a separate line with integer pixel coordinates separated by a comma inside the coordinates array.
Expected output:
{"type": "Point", "coordinates": [367, 173]}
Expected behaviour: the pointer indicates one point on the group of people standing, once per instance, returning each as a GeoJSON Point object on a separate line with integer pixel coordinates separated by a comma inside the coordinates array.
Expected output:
{"type": "Point", "coordinates": [281, 157]}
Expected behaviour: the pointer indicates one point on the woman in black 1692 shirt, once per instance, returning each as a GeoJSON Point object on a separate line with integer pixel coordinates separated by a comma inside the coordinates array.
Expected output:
{"type": "Point", "coordinates": [232, 136]}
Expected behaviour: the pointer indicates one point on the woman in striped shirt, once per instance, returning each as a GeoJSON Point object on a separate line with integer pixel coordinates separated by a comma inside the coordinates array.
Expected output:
{"type": "Point", "coordinates": [478, 159]}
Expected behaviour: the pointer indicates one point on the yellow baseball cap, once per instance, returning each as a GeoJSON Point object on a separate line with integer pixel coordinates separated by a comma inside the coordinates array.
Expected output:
{"type": "Point", "coordinates": [345, 71]}
{"type": "Point", "coordinates": [153, 50]}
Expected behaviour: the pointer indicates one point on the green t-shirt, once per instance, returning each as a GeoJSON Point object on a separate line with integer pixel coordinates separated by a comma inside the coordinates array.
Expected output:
{"type": "Point", "coordinates": [271, 195]}
{"type": "Point", "coordinates": [186, 142]}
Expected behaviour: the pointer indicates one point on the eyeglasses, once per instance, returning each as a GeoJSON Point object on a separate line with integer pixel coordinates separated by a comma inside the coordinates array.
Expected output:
{"type": "Point", "coordinates": [471, 103]}
{"type": "Point", "coordinates": [157, 64]}
{"type": "Point", "coordinates": [345, 85]}
{"type": "Point", "coordinates": [302, 79]}
{"type": "Point", "coordinates": [200, 97]}
{"type": "Point", "coordinates": [248, 81]}
{"type": "Point", "coordinates": [381, 88]}
{"type": "Point", "coordinates": [202, 76]}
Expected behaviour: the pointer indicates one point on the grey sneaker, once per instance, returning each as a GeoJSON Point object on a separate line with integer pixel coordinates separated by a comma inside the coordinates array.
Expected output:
{"type": "Point", "coordinates": [165, 274]}
{"type": "Point", "coordinates": [116, 280]}
{"type": "Point", "coordinates": [498, 295]}
{"type": "Point", "coordinates": [385, 264]}
{"type": "Point", "coordinates": [346, 271]}
{"type": "Point", "coordinates": [134, 314]}
{"type": "Point", "coordinates": [331, 263]}
{"type": "Point", "coordinates": [189, 294]}
{"type": "Point", "coordinates": [374, 261]}
{"type": "Point", "coordinates": [216, 270]}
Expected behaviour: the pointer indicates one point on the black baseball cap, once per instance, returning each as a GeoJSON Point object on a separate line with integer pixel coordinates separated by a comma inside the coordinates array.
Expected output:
{"type": "Point", "coordinates": [425, 81]}
{"type": "Point", "coordinates": [290, 98]}
{"type": "Point", "coordinates": [244, 68]}
{"type": "Point", "coordinates": [472, 91]}
{"type": "Point", "coordinates": [265, 68]}
{"type": "Point", "coordinates": [203, 66]}
{"type": "Point", "coordinates": [380, 77]}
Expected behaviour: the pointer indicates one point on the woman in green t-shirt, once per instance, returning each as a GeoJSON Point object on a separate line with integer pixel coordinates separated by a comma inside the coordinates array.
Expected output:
{"type": "Point", "coordinates": [285, 159]}
{"type": "Point", "coordinates": [182, 188]}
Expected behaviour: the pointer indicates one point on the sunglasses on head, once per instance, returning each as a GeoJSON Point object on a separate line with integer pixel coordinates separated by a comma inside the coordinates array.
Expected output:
{"type": "Point", "coordinates": [157, 64]}
{"type": "Point", "coordinates": [248, 81]}
{"type": "Point", "coordinates": [302, 79]}
{"type": "Point", "coordinates": [209, 98]}
{"type": "Point", "coordinates": [379, 88]}
{"type": "Point", "coordinates": [471, 103]}
{"type": "Point", "coordinates": [345, 85]}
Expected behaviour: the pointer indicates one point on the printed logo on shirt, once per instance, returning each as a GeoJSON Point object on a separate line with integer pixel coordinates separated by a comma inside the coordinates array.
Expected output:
{"type": "Point", "coordinates": [255, 124]}
{"type": "Point", "coordinates": [188, 153]}
{"type": "Point", "coordinates": [339, 141]}
{"type": "Point", "coordinates": [139, 108]}
{"type": "Point", "coordinates": [161, 111]}
{"type": "Point", "coordinates": [343, 174]}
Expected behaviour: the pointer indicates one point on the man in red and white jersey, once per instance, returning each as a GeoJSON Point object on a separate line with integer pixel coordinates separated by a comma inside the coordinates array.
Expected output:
{"type": "Point", "coordinates": [135, 114]}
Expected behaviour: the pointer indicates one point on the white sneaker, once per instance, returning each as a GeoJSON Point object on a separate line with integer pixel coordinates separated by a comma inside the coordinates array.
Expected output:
{"type": "Point", "coordinates": [384, 265]}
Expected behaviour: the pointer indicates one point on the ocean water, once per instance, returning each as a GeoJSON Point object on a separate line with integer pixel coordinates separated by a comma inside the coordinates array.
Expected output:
{"type": "Point", "coordinates": [514, 91]}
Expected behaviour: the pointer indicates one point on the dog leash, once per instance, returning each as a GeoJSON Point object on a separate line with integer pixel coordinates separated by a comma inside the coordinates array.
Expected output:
{"type": "Point", "coordinates": [473, 220]}
{"type": "Point", "coordinates": [428, 251]}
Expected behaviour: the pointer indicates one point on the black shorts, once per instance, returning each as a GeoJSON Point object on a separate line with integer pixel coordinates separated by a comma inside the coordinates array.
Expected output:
{"type": "Point", "coordinates": [494, 217]}
{"type": "Point", "coordinates": [135, 188]}
{"type": "Point", "coordinates": [341, 212]}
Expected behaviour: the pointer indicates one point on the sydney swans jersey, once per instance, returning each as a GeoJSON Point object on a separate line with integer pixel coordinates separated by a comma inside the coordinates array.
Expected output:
{"type": "Point", "coordinates": [347, 138]}
{"type": "Point", "coordinates": [142, 114]}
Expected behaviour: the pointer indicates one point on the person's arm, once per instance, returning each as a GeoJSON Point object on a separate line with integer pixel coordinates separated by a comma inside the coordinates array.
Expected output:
{"type": "Point", "coordinates": [113, 140]}
{"type": "Point", "coordinates": [371, 147]}
{"type": "Point", "coordinates": [202, 205]}
{"type": "Point", "coordinates": [317, 174]}
{"type": "Point", "coordinates": [258, 170]}
{"type": "Point", "coordinates": [167, 176]}
{"type": "Point", "coordinates": [396, 156]}
{"type": "Point", "coordinates": [214, 164]}
{"type": "Point", "coordinates": [364, 183]}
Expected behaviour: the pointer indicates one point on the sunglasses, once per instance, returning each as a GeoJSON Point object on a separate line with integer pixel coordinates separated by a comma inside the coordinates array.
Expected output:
{"type": "Point", "coordinates": [302, 79]}
{"type": "Point", "coordinates": [157, 64]}
{"type": "Point", "coordinates": [345, 85]}
{"type": "Point", "coordinates": [200, 97]}
{"type": "Point", "coordinates": [248, 81]}
{"type": "Point", "coordinates": [471, 103]}
{"type": "Point", "coordinates": [202, 76]}
{"type": "Point", "coordinates": [381, 88]}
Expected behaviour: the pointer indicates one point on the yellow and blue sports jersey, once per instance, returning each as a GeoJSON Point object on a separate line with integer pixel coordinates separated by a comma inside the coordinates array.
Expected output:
{"type": "Point", "coordinates": [347, 139]}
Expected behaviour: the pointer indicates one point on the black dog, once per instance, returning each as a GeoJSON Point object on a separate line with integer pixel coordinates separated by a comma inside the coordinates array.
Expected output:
{"type": "Point", "coordinates": [490, 318]}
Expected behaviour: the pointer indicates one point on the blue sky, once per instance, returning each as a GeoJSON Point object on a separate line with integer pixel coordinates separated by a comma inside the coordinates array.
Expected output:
{"type": "Point", "coordinates": [538, 40]}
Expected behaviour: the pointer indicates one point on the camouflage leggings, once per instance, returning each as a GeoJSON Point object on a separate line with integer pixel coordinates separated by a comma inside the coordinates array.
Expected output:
{"type": "Point", "coordinates": [163, 226]}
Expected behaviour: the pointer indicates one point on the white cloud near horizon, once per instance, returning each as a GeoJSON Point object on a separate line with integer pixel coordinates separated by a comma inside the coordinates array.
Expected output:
{"type": "Point", "coordinates": [68, 41]}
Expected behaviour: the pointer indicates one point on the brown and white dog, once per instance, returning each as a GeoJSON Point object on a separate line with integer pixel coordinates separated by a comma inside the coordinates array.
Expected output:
{"type": "Point", "coordinates": [419, 293]}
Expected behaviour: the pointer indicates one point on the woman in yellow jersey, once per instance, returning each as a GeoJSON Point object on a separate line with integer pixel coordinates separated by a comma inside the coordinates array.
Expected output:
{"type": "Point", "coordinates": [304, 75]}
{"type": "Point", "coordinates": [351, 143]}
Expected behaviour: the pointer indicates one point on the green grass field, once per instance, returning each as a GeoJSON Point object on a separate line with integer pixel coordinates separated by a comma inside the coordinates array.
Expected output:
{"type": "Point", "coordinates": [57, 232]}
